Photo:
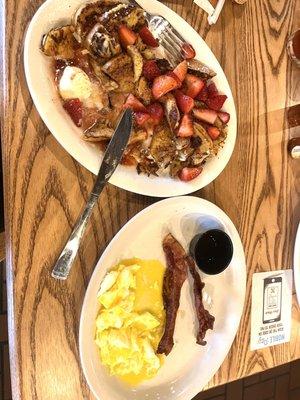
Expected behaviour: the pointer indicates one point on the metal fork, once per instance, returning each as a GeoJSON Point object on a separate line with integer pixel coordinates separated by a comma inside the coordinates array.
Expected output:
{"type": "Point", "coordinates": [168, 37]}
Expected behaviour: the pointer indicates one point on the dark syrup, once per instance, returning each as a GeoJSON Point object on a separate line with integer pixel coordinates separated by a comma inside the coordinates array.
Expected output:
{"type": "Point", "coordinates": [212, 251]}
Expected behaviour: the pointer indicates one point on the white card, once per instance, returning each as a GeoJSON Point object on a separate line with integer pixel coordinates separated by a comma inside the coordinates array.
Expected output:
{"type": "Point", "coordinates": [271, 311]}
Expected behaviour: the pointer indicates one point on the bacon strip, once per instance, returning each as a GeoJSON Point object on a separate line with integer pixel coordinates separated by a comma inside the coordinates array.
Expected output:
{"type": "Point", "coordinates": [205, 319]}
{"type": "Point", "coordinates": [175, 275]}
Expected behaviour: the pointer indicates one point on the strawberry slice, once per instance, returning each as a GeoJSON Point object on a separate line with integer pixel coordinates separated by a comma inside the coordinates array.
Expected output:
{"type": "Point", "coordinates": [224, 117]}
{"type": "Point", "coordinates": [151, 70]}
{"type": "Point", "coordinates": [212, 90]}
{"type": "Point", "coordinates": [216, 102]}
{"type": "Point", "coordinates": [213, 132]}
{"type": "Point", "coordinates": [193, 85]}
{"type": "Point", "coordinates": [127, 36]}
{"type": "Point", "coordinates": [174, 76]}
{"type": "Point", "coordinates": [162, 85]}
{"type": "Point", "coordinates": [74, 109]}
{"type": "Point", "coordinates": [156, 113]}
{"type": "Point", "coordinates": [187, 174]}
{"type": "Point", "coordinates": [181, 70]}
{"type": "Point", "coordinates": [184, 102]}
{"type": "Point", "coordinates": [186, 128]}
{"type": "Point", "coordinates": [203, 95]}
{"type": "Point", "coordinates": [205, 115]}
{"type": "Point", "coordinates": [133, 103]}
{"type": "Point", "coordinates": [147, 37]}
{"type": "Point", "coordinates": [188, 51]}
{"type": "Point", "coordinates": [141, 118]}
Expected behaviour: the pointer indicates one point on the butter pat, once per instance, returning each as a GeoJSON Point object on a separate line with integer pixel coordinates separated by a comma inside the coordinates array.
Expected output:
{"type": "Point", "coordinates": [75, 84]}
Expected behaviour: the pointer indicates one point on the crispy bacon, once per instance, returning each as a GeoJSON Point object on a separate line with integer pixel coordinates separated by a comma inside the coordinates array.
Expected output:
{"type": "Point", "coordinates": [175, 275]}
{"type": "Point", "coordinates": [205, 319]}
{"type": "Point", "coordinates": [178, 263]}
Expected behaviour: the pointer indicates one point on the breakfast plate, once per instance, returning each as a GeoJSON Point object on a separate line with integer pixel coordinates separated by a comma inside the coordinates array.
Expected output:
{"type": "Point", "coordinates": [188, 367]}
{"type": "Point", "coordinates": [39, 75]}
{"type": "Point", "coordinates": [297, 263]}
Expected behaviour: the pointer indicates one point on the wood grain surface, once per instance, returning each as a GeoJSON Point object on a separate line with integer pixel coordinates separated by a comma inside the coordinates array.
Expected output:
{"type": "Point", "coordinates": [45, 190]}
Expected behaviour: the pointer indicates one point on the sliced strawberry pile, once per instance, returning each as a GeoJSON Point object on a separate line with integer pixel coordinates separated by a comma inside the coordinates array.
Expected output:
{"type": "Point", "coordinates": [151, 70]}
{"type": "Point", "coordinates": [133, 103]}
{"type": "Point", "coordinates": [193, 85]}
{"type": "Point", "coordinates": [197, 100]}
{"type": "Point", "coordinates": [184, 102]}
{"type": "Point", "coordinates": [147, 37]}
{"type": "Point", "coordinates": [156, 113]}
{"type": "Point", "coordinates": [127, 36]}
{"type": "Point", "coordinates": [187, 174]}
{"type": "Point", "coordinates": [75, 110]}
{"type": "Point", "coordinates": [186, 128]}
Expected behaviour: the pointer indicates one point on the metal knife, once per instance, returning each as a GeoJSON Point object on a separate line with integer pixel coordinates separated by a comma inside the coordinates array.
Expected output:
{"type": "Point", "coordinates": [111, 159]}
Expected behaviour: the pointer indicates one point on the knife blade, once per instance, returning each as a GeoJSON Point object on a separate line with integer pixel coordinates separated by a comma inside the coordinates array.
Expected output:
{"type": "Point", "coordinates": [111, 159]}
{"type": "Point", "coordinates": [114, 151]}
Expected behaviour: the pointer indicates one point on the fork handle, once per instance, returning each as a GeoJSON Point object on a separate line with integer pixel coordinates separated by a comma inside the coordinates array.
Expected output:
{"type": "Point", "coordinates": [64, 263]}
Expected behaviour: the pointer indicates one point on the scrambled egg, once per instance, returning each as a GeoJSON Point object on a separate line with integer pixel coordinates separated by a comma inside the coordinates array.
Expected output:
{"type": "Point", "coordinates": [131, 319]}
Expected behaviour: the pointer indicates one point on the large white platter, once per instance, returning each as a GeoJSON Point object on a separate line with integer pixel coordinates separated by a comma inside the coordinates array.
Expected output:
{"type": "Point", "coordinates": [189, 366]}
{"type": "Point", "coordinates": [40, 82]}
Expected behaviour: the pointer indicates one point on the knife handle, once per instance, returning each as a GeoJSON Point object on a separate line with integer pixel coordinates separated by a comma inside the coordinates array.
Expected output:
{"type": "Point", "coordinates": [64, 263]}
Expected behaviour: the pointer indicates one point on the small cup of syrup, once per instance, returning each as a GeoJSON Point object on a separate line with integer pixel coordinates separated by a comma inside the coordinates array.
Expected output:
{"type": "Point", "coordinates": [212, 251]}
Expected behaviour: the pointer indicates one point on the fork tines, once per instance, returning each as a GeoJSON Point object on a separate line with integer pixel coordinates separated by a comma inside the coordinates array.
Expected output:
{"type": "Point", "coordinates": [172, 42]}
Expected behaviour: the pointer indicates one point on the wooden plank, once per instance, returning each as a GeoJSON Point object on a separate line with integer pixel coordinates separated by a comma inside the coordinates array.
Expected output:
{"type": "Point", "coordinates": [2, 246]}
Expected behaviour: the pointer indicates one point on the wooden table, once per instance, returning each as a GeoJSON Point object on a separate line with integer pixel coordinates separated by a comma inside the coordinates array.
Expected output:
{"type": "Point", "coordinates": [45, 190]}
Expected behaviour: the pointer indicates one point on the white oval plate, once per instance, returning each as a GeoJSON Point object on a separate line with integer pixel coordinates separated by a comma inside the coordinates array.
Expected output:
{"type": "Point", "coordinates": [44, 94]}
{"type": "Point", "coordinates": [189, 366]}
{"type": "Point", "coordinates": [297, 264]}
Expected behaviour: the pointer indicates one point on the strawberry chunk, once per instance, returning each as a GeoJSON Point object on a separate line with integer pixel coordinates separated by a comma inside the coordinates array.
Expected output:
{"type": "Point", "coordinates": [74, 109]}
{"type": "Point", "coordinates": [147, 37]}
{"type": "Point", "coordinates": [174, 76]}
{"type": "Point", "coordinates": [186, 128]}
{"type": "Point", "coordinates": [162, 85]}
{"type": "Point", "coordinates": [213, 132]}
{"type": "Point", "coordinates": [224, 117]}
{"type": "Point", "coordinates": [216, 102]}
{"type": "Point", "coordinates": [212, 90]}
{"type": "Point", "coordinates": [133, 103]}
{"type": "Point", "coordinates": [127, 36]}
{"type": "Point", "coordinates": [187, 174]}
{"type": "Point", "coordinates": [188, 51]}
{"type": "Point", "coordinates": [203, 95]}
{"type": "Point", "coordinates": [184, 102]}
{"type": "Point", "coordinates": [193, 85]}
{"type": "Point", "coordinates": [205, 115]}
{"type": "Point", "coordinates": [151, 70]}
{"type": "Point", "coordinates": [156, 113]}
{"type": "Point", "coordinates": [141, 118]}
{"type": "Point", "coordinates": [181, 70]}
